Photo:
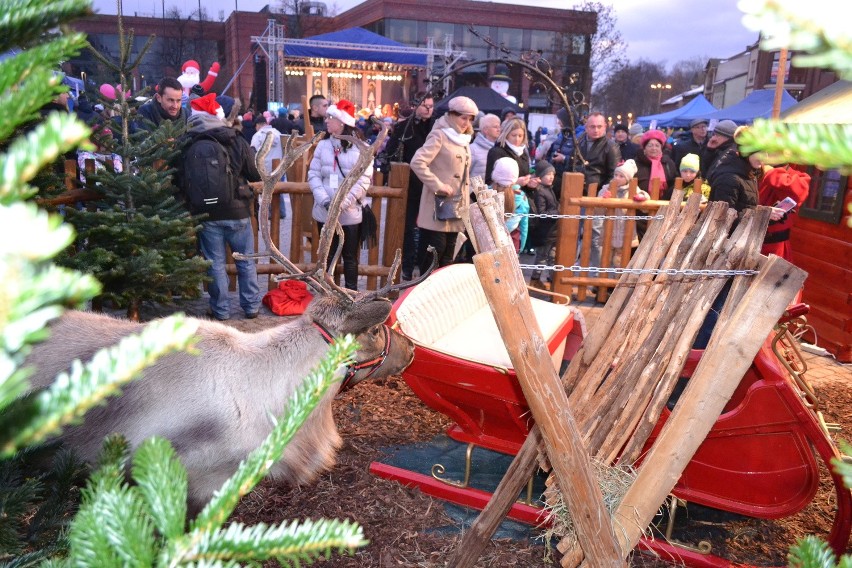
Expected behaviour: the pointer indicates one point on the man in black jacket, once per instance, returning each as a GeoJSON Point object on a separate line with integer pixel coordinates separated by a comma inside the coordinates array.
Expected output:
{"type": "Point", "coordinates": [166, 105]}
{"type": "Point", "coordinates": [693, 143]}
{"type": "Point", "coordinates": [407, 137]}
{"type": "Point", "coordinates": [626, 148]}
{"type": "Point", "coordinates": [600, 154]}
{"type": "Point", "coordinates": [728, 173]}
{"type": "Point", "coordinates": [229, 224]}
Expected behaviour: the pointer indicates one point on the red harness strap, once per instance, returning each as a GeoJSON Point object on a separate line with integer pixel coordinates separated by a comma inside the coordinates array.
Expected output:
{"type": "Point", "coordinates": [372, 364]}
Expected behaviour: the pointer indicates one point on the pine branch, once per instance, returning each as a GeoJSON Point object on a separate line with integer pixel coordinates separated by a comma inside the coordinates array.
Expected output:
{"type": "Point", "coordinates": [825, 146]}
{"type": "Point", "coordinates": [162, 480]}
{"type": "Point", "coordinates": [261, 460]}
{"type": "Point", "coordinates": [68, 399]}
{"type": "Point", "coordinates": [811, 552]}
{"type": "Point", "coordinates": [801, 28]}
{"type": "Point", "coordinates": [25, 20]}
{"type": "Point", "coordinates": [26, 156]}
{"type": "Point", "coordinates": [304, 541]}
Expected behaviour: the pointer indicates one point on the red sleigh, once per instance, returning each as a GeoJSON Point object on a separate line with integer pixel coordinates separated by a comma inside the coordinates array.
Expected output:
{"type": "Point", "coordinates": [759, 460]}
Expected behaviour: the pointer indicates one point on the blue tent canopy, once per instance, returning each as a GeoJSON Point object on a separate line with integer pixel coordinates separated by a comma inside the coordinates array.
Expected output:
{"type": "Point", "coordinates": [698, 107]}
{"type": "Point", "coordinates": [758, 104]}
{"type": "Point", "coordinates": [350, 38]}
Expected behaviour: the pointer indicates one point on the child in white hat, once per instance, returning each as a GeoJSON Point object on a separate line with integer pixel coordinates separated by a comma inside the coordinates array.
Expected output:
{"type": "Point", "coordinates": [621, 179]}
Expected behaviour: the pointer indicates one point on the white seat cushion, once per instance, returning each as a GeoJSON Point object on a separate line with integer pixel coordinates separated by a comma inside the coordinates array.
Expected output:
{"type": "Point", "coordinates": [449, 313]}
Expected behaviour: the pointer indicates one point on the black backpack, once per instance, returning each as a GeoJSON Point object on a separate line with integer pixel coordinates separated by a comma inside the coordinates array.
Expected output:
{"type": "Point", "coordinates": [210, 184]}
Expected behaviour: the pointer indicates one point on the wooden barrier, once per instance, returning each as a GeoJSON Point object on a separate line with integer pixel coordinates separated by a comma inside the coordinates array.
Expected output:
{"type": "Point", "coordinates": [389, 203]}
{"type": "Point", "coordinates": [571, 250]}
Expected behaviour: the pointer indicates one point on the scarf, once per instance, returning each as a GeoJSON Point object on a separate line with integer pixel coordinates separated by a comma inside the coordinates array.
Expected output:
{"type": "Point", "coordinates": [456, 136]}
{"type": "Point", "coordinates": [658, 172]}
{"type": "Point", "coordinates": [518, 150]}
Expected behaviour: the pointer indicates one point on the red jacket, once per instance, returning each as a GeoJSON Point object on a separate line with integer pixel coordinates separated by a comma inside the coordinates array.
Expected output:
{"type": "Point", "coordinates": [777, 184]}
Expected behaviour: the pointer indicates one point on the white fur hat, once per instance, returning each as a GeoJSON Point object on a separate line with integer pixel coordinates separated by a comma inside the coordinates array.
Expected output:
{"type": "Point", "coordinates": [628, 168]}
{"type": "Point", "coordinates": [505, 171]}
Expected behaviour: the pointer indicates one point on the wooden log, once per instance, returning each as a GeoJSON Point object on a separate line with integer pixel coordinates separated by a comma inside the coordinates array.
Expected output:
{"type": "Point", "coordinates": [567, 233]}
{"type": "Point", "coordinates": [732, 348]}
{"type": "Point", "coordinates": [505, 288]}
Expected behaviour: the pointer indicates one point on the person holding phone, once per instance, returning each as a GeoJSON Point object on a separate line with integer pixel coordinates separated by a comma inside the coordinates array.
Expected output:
{"type": "Point", "coordinates": [784, 189]}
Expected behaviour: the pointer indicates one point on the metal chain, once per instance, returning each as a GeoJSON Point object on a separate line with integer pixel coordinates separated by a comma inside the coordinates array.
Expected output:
{"type": "Point", "coordinates": [602, 217]}
{"type": "Point", "coordinates": [615, 270]}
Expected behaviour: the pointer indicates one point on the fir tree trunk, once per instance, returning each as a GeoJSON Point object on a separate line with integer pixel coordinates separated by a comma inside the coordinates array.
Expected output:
{"type": "Point", "coordinates": [133, 309]}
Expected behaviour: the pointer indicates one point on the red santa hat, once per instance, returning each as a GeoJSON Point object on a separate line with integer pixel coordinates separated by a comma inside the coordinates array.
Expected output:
{"type": "Point", "coordinates": [192, 65]}
{"type": "Point", "coordinates": [344, 111]}
{"type": "Point", "coordinates": [207, 104]}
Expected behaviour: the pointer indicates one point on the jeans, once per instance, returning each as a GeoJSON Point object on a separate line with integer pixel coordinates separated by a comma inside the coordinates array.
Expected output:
{"type": "Point", "coordinates": [213, 237]}
{"type": "Point", "coordinates": [411, 236]}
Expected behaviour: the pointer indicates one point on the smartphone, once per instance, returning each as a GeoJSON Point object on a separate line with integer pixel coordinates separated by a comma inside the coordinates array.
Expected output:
{"type": "Point", "coordinates": [787, 204]}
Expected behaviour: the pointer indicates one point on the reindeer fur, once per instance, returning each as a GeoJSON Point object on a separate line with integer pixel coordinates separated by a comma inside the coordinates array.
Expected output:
{"type": "Point", "coordinates": [215, 407]}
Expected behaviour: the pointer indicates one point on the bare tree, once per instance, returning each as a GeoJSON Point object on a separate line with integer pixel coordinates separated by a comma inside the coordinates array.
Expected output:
{"type": "Point", "coordinates": [305, 18]}
{"type": "Point", "coordinates": [627, 90]}
{"type": "Point", "coordinates": [185, 41]}
{"type": "Point", "coordinates": [609, 50]}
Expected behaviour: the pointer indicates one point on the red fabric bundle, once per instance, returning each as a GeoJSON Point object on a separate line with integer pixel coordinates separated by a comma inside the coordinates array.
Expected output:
{"type": "Point", "coordinates": [291, 298]}
{"type": "Point", "coordinates": [777, 184]}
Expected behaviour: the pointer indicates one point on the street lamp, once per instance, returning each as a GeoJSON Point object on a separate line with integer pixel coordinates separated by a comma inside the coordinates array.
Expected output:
{"type": "Point", "coordinates": [629, 118]}
{"type": "Point", "coordinates": [660, 87]}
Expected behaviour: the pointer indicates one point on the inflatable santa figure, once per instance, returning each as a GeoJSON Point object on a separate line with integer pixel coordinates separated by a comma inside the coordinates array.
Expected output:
{"type": "Point", "coordinates": [192, 76]}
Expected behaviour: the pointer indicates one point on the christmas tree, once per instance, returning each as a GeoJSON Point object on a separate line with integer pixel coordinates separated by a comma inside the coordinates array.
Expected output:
{"type": "Point", "coordinates": [137, 239]}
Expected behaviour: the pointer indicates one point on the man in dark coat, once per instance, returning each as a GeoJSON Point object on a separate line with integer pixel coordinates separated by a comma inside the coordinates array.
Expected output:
{"type": "Point", "coordinates": [407, 137]}
{"type": "Point", "coordinates": [232, 225]}
{"type": "Point", "coordinates": [166, 105]}
{"type": "Point", "coordinates": [627, 148]}
{"type": "Point", "coordinates": [729, 174]}
{"type": "Point", "coordinates": [601, 154]}
{"type": "Point", "coordinates": [693, 143]}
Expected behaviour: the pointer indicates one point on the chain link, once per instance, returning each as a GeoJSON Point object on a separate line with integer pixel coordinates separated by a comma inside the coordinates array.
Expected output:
{"type": "Point", "coordinates": [601, 217]}
{"type": "Point", "coordinates": [616, 270]}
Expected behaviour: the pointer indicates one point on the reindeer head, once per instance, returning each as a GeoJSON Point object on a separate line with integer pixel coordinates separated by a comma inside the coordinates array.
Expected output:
{"type": "Point", "coordinates": [337, 311]}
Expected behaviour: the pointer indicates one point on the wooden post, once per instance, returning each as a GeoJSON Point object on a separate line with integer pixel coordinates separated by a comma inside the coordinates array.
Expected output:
{"type": "Point", "coordinates": [505, 288]}
{"type": "Point", "coordinates": [779, 82]}
{"type": "Point", "coordinates": [732, 348]}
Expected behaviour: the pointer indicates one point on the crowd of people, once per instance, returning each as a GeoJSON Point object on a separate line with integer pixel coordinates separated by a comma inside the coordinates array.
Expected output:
{"type": "Point", "coordinates": [446, 153]}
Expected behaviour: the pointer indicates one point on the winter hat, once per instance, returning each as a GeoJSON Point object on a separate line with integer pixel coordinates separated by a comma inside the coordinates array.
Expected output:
{"type": "Point", "coordinates": [657, 135]}
{"type": "Point", "coordinates": [344, 111]}
{"type": "Point", "coordinates": [698, 121]}
{"type": "Point", "coordinates": [463, 105]}
{"type": "Point", "coordinates": [725, 128]}
{"type": "Point", "coordinates": [505, 172]}
{"type": "Point", "coordinates": [564, 117]}
{"type": "Point", "coordinates": [542, 167]}
{"type": "Point", "coordinates": [191, 66]}
{"type": "Point", "coordinates": [248, 116]}
{"type": "Point", "coordinates": [506, 111]}
{"type": "Point", "coordinates": [627, 169]}
{"type": "Point", "coordinates": [689, 162]}
{"type": "Point", "coordinates": [197, 90]}
{"type": "Point", "coordinates": [227, 104]}
{"type": "Point", "coordinates": [544, 130]}
{"type": "Point", "coordinates": [635, 129]}
{"type": "Point", "coordinates": [207, 104]}
{"type": "Point", "coordinates": [620, 126]}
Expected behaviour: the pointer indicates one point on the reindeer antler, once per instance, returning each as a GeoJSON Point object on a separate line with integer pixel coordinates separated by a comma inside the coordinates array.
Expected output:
{"type": "Point", "coordinates": [332, 224]}
{"type": "Point", "coordinates": [389, 286]}
{"type": "Point", "coordinates": [269, 179]}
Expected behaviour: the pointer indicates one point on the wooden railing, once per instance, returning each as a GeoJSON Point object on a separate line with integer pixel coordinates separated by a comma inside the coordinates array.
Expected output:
{"type": "Point", "coordinates": [568, 233]}
{"type": "Point", "coordinates": [389, 203]}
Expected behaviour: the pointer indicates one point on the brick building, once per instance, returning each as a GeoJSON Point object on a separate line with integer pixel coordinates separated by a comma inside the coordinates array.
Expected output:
{"type": "Point", "coordinates": [563, 37]}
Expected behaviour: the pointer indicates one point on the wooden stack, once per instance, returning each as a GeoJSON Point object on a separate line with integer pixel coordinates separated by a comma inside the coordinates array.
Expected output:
{"type": "Point", "coordinates": [620, 379]}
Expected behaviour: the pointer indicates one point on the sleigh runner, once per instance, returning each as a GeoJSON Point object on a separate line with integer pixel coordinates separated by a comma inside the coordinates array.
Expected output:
{"type": "Point", "coordinates": [760, 457]}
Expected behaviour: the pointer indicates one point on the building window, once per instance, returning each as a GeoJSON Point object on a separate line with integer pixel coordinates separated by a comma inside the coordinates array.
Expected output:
{"type": "Point", "coordinates": [403, 31]}
{"type": "Point", "coordinates": [511, 38]}
{"type": "Point", "coordinates": [440, 31]}
{"type": "Point", "coordinates": [825, 196]}
{"type": "Point", "coordinates": [541, 40]}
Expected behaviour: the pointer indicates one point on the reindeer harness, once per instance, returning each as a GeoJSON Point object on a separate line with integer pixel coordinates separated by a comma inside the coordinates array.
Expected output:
{"type": "Point", "coordinates": [371, 364]}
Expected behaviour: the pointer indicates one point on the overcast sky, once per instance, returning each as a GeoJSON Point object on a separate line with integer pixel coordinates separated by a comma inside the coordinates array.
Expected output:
{"type": "Point", "coordinates": [659, 30]}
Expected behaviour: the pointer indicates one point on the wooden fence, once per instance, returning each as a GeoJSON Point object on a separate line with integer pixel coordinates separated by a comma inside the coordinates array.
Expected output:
{"type": "Point", "coordinates": [570, 250]}
{"type": "Point", "coordinates": [389, 203]}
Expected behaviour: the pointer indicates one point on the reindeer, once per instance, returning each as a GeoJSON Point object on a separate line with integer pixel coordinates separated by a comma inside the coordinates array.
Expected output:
{"type": "Point", "coordinates": [215, 407]}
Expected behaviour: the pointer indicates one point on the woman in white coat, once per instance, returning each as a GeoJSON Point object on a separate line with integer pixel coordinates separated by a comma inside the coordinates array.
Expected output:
{"type": "Point", "coordinates": [333, 160]}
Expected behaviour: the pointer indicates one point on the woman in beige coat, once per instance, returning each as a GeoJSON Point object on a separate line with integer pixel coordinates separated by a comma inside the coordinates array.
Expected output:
{"type": "Point", "coordinates": [443, 164]}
